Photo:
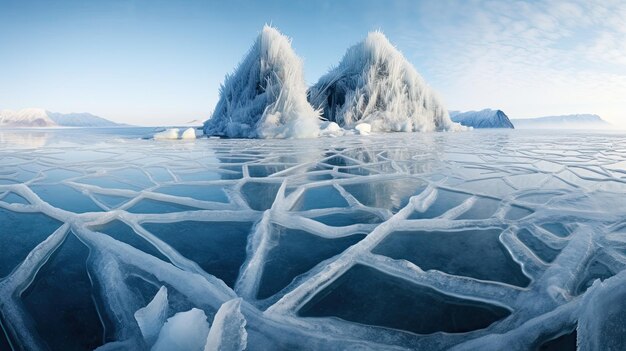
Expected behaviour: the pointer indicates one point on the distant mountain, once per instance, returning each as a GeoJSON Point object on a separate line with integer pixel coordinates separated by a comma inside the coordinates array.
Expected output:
{"type": "Point", "coordinates": [579, 121]}
{"type": "Point", "coordinates": [80, 120]}
{"type": "Point", "coordinates": [28, 117]}
{"type": "Point", "coordinates": [486, 118]}
{"type": "Point", "coordinates": [36, 117]}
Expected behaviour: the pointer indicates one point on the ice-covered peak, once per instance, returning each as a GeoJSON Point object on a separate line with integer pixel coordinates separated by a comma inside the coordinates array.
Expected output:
{"type": "Point", "coordinates": [266, 95]}
{"type": "Point", "coordinates": [38, 117]}
{"type": "Point", "coordinates": [79, 120]}
{"type": "Point", "coordinates": [28, 117]}
{"type": "Point", "coordinates": [375, 84]}
{"type": "Point", "coordinates": [486, 118]}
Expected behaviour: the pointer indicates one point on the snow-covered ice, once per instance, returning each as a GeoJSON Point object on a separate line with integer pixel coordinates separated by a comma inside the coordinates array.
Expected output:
{"type": "Point", "coordinates": [492, 239]}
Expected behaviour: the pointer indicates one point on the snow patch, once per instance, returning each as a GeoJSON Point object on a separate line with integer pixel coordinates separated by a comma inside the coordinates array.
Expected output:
{"type": "Point", "coordinates": [363, 128]}
{"type": "Point", "coordinates": [168, 134]}
{"type": "Point", "coordinates": [189, 133]}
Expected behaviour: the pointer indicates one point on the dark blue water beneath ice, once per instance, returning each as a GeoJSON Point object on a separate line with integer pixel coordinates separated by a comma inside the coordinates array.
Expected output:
{"type": "Point", "coordinates": [352, 231]}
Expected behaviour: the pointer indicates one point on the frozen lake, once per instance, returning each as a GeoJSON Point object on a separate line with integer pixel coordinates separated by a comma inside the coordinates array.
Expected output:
{"type": "Point", "coordinates": [474, 240]}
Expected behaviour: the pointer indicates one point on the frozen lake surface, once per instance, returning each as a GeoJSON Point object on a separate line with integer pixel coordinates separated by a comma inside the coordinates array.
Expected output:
{"type": "Point", "coordinates": [476, 241]}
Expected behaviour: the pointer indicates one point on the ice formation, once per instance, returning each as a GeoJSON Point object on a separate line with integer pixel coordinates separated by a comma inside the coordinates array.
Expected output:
{"type": "Point", "coordinates": [309, 244]}
{"type": "Point", "coordinates": [228, 332]}
{"type": "Point", "coordinates": [185, 331]}
{"type": "Point", "coordinates": [266, 95]}
{"type": "Point", "coordinates": [375, 84]}
{"type": "Point", "coordinates": [486, 118]}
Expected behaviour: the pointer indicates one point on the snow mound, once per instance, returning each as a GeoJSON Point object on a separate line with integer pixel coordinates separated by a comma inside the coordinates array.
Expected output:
{"type": "Point", "coordinates": [168, 134]}
{"type": "Point", "coordinates": [189, 133]}
{"type": "Point", "coordinates": [486, 118]}
{"type": "Point", "coordinates": [375, 84]}
{"type": "Point", "coordinates": [151, 318]}
{"type": "Point", "coordinates": [228, 332]}
{"type": "Point", "coordinates": [184, 331]}
{"type": "Point", "coordinates": [266, 95]}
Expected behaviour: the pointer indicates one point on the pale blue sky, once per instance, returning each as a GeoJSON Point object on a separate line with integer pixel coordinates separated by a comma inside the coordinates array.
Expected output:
{"type": "Point", "coordinates": [162, 62]}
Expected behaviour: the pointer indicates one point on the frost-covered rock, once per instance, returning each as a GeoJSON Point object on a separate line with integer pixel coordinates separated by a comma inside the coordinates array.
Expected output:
{"type": "Point", "coordinates": [189, 133]}
{"type": "Point", "coordinates": [375, 84]}
{"type": "Point", "coordinates": [486, 118]}
{"type": "Point", "coordinates": [266, 95]}
{"type": "Point", "coordinates": [184, 331]}
{"type": "Point", "coordinates": [151, 318]}
{"type": "Point", "coordinates": [228, 332]}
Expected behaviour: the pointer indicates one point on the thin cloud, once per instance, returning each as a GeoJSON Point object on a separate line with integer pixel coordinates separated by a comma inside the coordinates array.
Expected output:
{"type": "Point", "coordinates": [542, 57]}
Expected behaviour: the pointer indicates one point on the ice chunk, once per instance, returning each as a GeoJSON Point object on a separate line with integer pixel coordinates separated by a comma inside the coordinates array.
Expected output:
{"type": "Point", "coordinates": [266, 97]}
{"type": "Point", "coordinates": [330, 129]}
{"type": "Point", "coordinates": [171, 133]}
{"type": "Point", "coordinates": [363, 128]}
{"type": "Point", "coordinates": [189, 133]}
{"type": "Point", "coordinates": [185, 331]}
{"type": "Point", "coordinates": [228, 332]}
{"type": "Point", "coordinates": [602, 325]}
{"type": "Point", "coordinates": [151, 318]}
